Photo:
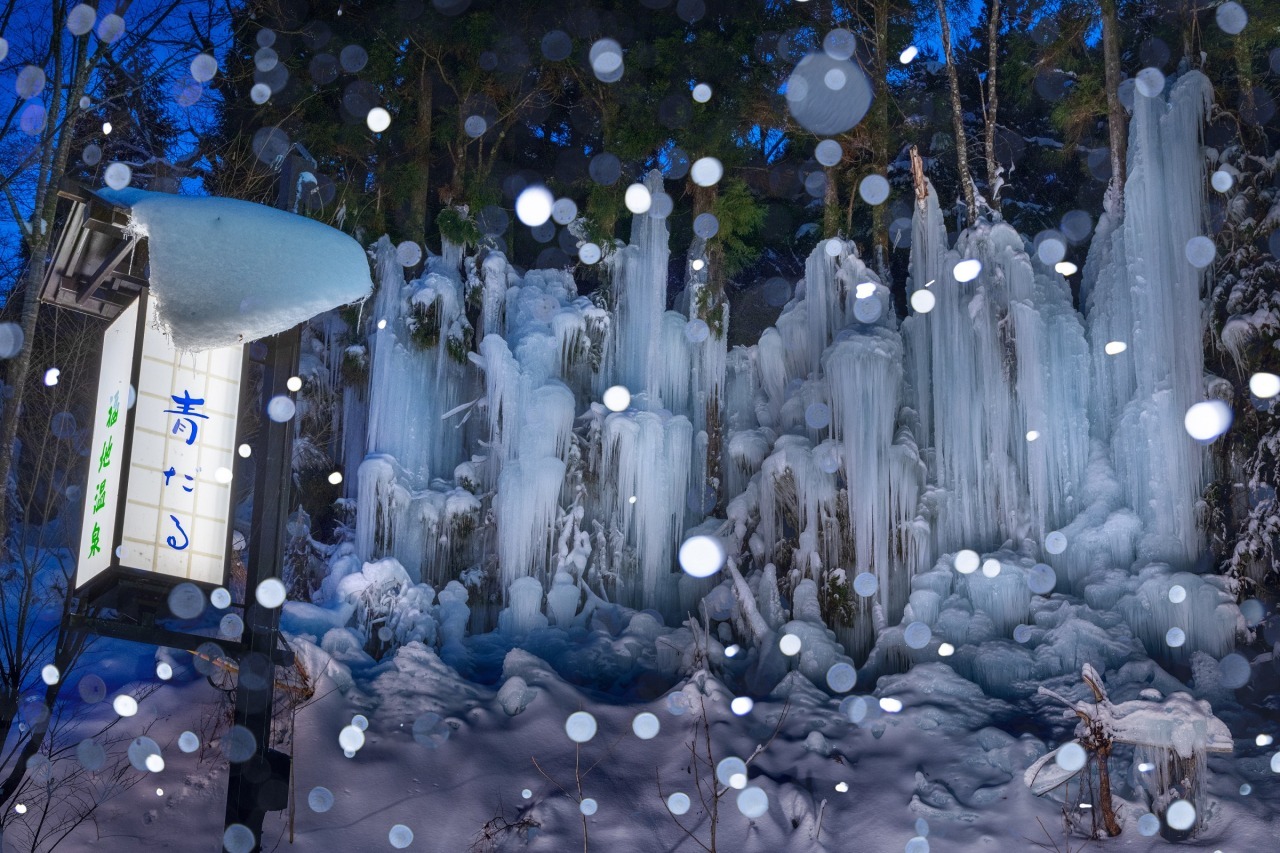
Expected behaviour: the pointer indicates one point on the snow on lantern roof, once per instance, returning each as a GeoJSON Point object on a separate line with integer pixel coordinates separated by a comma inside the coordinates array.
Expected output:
{"type": "Point", "coordinates": [225, 271]}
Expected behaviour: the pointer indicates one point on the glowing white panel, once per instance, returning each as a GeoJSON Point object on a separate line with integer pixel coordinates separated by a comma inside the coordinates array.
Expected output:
{"type": "Point", "coordinates": [106, 457]}
{"type": "Point", "coordinates": [176, 509]}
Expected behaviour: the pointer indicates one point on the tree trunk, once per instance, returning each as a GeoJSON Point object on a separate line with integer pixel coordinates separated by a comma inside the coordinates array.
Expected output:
{"type": "Point", "coordinates": [711, 310]}
{"type": "Point", "coordinates": [1117, 125]}
{"type": "Point", "coordinates": [993, 58]}
{"type": "Point", "coordinates": [1104, 793]}
{"type": "Point", "coordinates": [957, 118]}
{"type": "Point", "coordinates": [420, 151]}
{"type": "Point", "coordinates": [715, 454]}
{"type": "Point", "coordinates": [53, 166]}
{"type": "Point", "coordinates": [1187, 20]}
{"type": "Point", "coordinates": [880, 137]}
{"type": "Point", "coordinates": [1243, 50]}
{"type": "Point", "coordinates": [704, 201]}
{"type": "Point", "coordinates": [831, 203]}
{"type": "Point", "coordinates": [918, 179]}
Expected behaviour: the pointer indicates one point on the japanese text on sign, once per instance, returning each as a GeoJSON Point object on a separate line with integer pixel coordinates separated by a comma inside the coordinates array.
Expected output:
{"type": "Point", "coordinates": [105, 465]}
{"type": "Point", "coordinates": [178, 504]}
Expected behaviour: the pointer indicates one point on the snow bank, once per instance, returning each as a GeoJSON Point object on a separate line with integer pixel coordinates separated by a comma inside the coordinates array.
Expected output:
{"type": "Point", "coordinates": [225, 271]}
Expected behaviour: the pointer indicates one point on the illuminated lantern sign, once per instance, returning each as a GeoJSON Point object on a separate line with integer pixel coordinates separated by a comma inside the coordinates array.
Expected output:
{"type": "Point", "coordinates": [159, 493]}
{"type": "Point", "coordinates": [110, 415]}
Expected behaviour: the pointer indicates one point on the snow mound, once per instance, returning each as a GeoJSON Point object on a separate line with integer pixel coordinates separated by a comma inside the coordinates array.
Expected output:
{"type": "Point", "coordinates": [225, 271]}
{"type": "Point", "coordinates": [417, 681]}
{"type": "Point", "coordinates": [935, 697]}
{"type": "Point", "coordinates": [515, 695]}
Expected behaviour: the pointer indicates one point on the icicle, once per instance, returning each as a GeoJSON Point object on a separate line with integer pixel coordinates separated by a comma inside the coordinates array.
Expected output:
{"type": "Point", "coordinates": [373, 505]}
{"type": "Point", "coordinates": [524, 609]}
{"type": "Point", "coordinates": [671, 373]}
{"type": "Point", "coordinates": [996, 376]}
{"type": "Point", "coordinates": [747, 451]}
{"type": "Point", "coordinates": [1005, 598]}
{"type": "Point", "coordinates": [493, 295]}
{"type": "Point", "coordinates": [417, 368]}
{"type": "Point", "coordinates": [742, 381]}
{"type": "Point", "coordinates": [796, 494]}
{"type": "Point", "coordinates": [1202, 611]}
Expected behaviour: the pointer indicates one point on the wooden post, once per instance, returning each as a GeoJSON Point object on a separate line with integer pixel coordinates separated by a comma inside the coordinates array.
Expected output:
{"type": "Point", "coordinates": [918, 178]}
{"type": "Point", "coordinates": [249, 797]}
{"type": "Point", "coordinates": [254, 787]}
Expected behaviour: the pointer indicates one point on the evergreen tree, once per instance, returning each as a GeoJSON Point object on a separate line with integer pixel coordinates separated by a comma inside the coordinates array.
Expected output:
{"type": "Point", "coordinates": [128, 120]}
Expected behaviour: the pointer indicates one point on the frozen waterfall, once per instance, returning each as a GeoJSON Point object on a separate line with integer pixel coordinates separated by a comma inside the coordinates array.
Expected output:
{"type": "Point", "coordinates": [855, 456]}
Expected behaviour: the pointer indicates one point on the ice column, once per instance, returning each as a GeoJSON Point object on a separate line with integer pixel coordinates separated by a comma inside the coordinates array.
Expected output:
{"type": "Point", "coordinates": [996, 377]}
{"type": "Point", "coordinates": [531, 413]}
{"type": "Point", "coordinates": [647, 460]}
{"type": "Point", "coordinates": [414, 378]}
{"type": "Point", "coordinates": [865, 375]}
{"type": "Point", "coordinates": [639, 274]}
{"type": "Point", "coordinates": [1144, 291]}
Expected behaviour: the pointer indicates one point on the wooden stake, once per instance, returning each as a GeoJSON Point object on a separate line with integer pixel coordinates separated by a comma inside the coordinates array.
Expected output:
{"type": "Point", "coordinates": [917, 177]}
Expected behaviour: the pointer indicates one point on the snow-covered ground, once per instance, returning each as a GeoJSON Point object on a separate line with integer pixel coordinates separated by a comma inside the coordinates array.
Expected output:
{"type": "Point", "coordinates": [950, 763]}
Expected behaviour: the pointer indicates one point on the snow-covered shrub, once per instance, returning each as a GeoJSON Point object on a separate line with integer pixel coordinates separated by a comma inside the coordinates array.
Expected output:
{"type": "Point", "coordinates": [355, 366]}
{"type": "Point", "coordinates": [1243, 329]}
{"type": "Point", "coordinates": [389, 610]}
{"type": "Point", "coordinates": [1171, 736]}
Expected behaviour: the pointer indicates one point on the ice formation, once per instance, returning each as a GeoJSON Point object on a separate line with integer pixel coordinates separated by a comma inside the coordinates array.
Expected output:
{"type": "Point", "coordinates": [844, 460]}
{"type": "Point", "coordinates": [998, 357]}
{"type": "Point", "coordinates": [558, 475]}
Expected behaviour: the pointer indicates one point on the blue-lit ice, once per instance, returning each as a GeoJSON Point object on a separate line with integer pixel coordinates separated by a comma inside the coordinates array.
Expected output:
{"type": "Point", "coordinates": [948, 509]}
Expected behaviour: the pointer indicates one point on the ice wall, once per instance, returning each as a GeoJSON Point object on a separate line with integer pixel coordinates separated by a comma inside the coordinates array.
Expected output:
{"type": "Point", "coordinates": [864, 373]}
{"type": "Point", "coordinates": [410, 502]}
{"type": "Point", "coordinates": [1029, 426]}
{"type": "Point", "coordinates": [853, 455]}
{"type": "Point", "coordinates": [820, 453]}
{"type": "Point", "coordinates": [646, 465]}
{"type": "Point", "coordinates": [531, 415]}
{"type": "Point", "coordinates": [704, 327]}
